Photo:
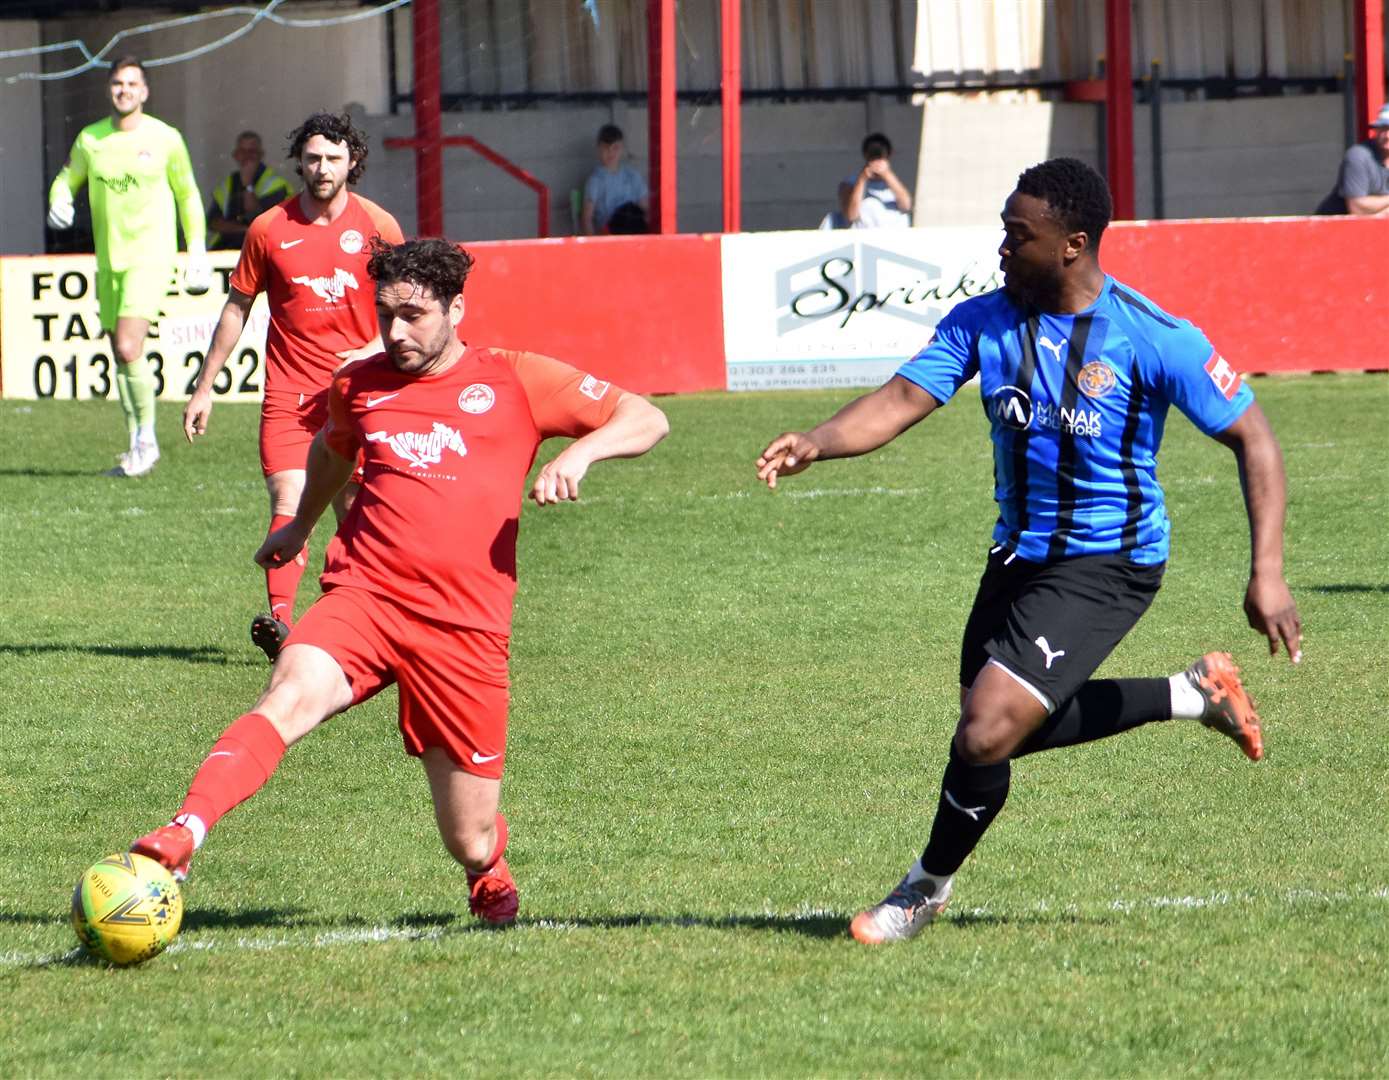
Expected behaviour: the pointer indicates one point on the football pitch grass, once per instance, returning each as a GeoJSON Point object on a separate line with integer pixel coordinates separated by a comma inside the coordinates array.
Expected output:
{"type": "Point", "coordinates": [730, 713]}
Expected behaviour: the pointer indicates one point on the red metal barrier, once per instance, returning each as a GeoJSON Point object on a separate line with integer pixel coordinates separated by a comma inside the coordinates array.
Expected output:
{"type": "Point", "coordinates": [645, 312]}
{"type": "Point", "coordinates": [505, 164]}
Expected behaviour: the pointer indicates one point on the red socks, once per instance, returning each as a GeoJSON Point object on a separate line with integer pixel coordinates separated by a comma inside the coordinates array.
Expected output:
{"type": "Point", "coordinates": [238, 766]}
{"type": "Point", "coordinates": [498, 848]}
{"type": "Point", "coordinates": [282, 582]}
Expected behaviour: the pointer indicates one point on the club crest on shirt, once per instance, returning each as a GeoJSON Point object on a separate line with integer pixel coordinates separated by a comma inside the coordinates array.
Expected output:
{"type": "Point", "coordinates": [1095, 379]}
{"type": "Point", "coordinates": [594, 388]}
{"type": "Point", "coordinates": [476, 399]}
{"type": "Point", "coordinates": [351, 241]}
{"type": "Point", "coordinates": [1225, 377]}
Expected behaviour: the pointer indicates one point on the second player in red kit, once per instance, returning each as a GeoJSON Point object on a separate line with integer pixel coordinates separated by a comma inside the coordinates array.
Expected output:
{"type": "Point", "coordinates": [309, 256]}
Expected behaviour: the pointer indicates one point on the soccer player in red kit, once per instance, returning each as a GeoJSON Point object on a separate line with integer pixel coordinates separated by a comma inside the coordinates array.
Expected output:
{"type": "Point", "coordinates": [309, 256]}
{"type": "Point", "coordinates": [421, 575]}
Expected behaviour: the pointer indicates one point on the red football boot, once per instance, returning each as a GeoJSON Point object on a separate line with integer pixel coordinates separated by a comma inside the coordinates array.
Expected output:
{"type": "Point", "coordinates": [171, 846]}
{"type": "Point", "coordinates": [492, 895]}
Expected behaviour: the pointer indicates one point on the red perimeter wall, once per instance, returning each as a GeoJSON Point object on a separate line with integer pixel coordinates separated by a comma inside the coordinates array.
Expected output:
{"type": "Point", "coordinates": [645, 312]}
{"type": "Point", "coordinates": [1275, 294]}
{"type": "Point", "coordinates": [1278, 294]}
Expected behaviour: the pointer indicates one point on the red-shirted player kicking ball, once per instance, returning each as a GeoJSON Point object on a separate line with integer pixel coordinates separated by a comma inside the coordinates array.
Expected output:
{"type": "Point", "coordinates": [421, 575]}
{"type": "Point", "coordinates": [309, 256]}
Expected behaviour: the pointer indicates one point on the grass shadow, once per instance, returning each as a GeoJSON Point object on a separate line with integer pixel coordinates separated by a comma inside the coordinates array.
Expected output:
{"type": "Point", "coordinates": [1349, 588]}
{"type": "Point", "coordinates": [32, 918]}
{"type": "Point", "coordinates": [974, 920]}
{"type": "Point", "coordinates": [49, 473]}
{"type": "Point", "coordinates": [205, 918]}
{"type": "Point", "coordinates": [195, 654]}
{"type": "Point", "coordinates": [826, 925]}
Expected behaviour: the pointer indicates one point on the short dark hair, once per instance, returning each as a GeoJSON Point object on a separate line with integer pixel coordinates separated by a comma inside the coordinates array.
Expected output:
{"type": "Point", "coordinates": [249, 134]}
{"type": "Point", "coordinates": [1076, 193]}
{"type": "Point", "coordinates": [429, 262]}
{"type": "Point", "coordinates": [609, 134]}
{"type": "Point", "coordinates": [877, 140]}
{"type": "Point", "coordinates": [129, 61]}
{"type": "Point", "coordinates": [336, 129]}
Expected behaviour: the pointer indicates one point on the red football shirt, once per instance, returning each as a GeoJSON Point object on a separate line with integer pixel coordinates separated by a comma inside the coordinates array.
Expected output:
{"type": "Point", "coordinates": [434, 525]}
{"type": "Point", "coordinates": [315, 276]}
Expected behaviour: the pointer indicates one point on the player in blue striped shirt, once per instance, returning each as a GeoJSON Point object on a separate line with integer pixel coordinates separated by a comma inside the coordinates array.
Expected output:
{"type": "Point", "coordinates": [1076, 374]}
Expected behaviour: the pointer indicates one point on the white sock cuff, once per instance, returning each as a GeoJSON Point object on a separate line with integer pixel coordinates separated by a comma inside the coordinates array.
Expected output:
{"type": "Point", "coordinates": [193, 824]}
{"type": "Point", "coordinates": [1187, 702]}
{"type": "Point", "coordinates": [939, 885]}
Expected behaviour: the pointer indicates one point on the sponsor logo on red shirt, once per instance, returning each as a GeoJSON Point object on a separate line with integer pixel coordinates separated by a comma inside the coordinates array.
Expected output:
{"type": "Point", "coordinates": [422, 448]}
{"type": "Point", "coordinates": [329, 288]}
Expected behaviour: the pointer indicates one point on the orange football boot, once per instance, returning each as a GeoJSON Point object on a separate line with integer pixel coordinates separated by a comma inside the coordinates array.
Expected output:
{"type": "Point", "coordinates": [1229, 709]}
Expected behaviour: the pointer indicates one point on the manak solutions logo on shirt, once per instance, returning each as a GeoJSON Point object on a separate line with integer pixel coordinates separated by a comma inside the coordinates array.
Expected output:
{"type": "Point", "coordinates": [1013, 409]}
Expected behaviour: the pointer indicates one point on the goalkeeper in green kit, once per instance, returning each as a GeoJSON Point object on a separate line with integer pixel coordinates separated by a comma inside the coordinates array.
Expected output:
{"type": "Point", "coordinates": [137, 171]}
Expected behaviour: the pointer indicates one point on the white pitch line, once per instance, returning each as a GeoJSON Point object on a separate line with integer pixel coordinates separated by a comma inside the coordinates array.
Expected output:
{"type": "Point", "coordinates": [375, 934]}
{"type": "Point", "coordinates": [852, 493]}
{"type": "Point", "coordinates": [757, 492]}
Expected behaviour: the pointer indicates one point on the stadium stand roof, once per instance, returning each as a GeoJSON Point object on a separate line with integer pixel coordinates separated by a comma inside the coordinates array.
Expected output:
{"type": "Point", "coordinates": [47, 9]}
{"type": "Point", "coordinates": [61, 9]}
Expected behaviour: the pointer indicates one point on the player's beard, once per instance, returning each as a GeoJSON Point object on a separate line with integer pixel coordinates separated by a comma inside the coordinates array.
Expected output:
{"type": "Point", "coordinates": [325, 191]}
{"type": "Point", "coordinates": [426, 359]}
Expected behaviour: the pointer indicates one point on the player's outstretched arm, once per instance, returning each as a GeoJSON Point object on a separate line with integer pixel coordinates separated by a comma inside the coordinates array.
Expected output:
{"type": "Point", "coordinates": [1268, 603]}
{"type": "Point", "coordinates": [864, 424]}
{"type": "Point", "coordinates": [327, 472]}
{"type": "Point", "coordinates": [224, 338]}
{"type": "Point", "coordinates": [634, 428]}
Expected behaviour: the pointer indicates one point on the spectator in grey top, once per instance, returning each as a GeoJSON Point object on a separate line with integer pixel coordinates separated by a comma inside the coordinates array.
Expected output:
{"type": "Point", "coordinates": [1362, 186]}
{"type": "Point", "coordinates": [615, 197]}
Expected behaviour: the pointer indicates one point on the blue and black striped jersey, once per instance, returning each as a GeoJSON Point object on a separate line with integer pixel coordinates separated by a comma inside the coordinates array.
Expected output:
{"type": "Point", "coordinates": [1077, 405]}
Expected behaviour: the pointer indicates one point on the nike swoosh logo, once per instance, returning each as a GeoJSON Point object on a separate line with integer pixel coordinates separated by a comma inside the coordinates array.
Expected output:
{"type": "Point", "coordinates": [478, 759]}
{"type": "Point", "coordinates": [290, 243]}
{"type": "Point", "coordinates": [373, 402]}
{"type": "Point", "coordinates": [219, 753]}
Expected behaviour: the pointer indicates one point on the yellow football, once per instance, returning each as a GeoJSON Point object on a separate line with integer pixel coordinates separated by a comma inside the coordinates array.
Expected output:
{"type": "Point", "coordinates": [126, 909]}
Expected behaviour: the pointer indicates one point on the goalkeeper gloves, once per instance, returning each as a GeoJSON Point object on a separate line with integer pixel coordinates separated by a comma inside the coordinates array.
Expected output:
{"type": "Point", "coordinates": [197, 274]}
{"type": "Point", "coordinates": [61, 213]}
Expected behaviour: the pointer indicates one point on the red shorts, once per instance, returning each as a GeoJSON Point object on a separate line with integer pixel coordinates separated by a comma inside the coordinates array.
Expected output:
{"type": "Point", "coordinates": [453, 680]}
{"type": "Point", "coordinates": [288, 423]}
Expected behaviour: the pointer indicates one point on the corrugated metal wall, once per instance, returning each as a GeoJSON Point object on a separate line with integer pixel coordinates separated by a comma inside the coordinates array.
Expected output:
{"type": "Point", "coordinates": [507, 47]}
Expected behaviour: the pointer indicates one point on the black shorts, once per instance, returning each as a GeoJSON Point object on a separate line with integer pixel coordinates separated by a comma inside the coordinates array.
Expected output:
{"type": "Point", "coordinates": [1052, 624]}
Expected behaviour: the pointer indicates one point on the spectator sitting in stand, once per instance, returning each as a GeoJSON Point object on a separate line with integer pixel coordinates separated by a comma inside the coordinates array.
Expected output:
{"type": "Point", "coordinates": [1362, 185]}
{"type": "Point", "coordinates": [616, 199]}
